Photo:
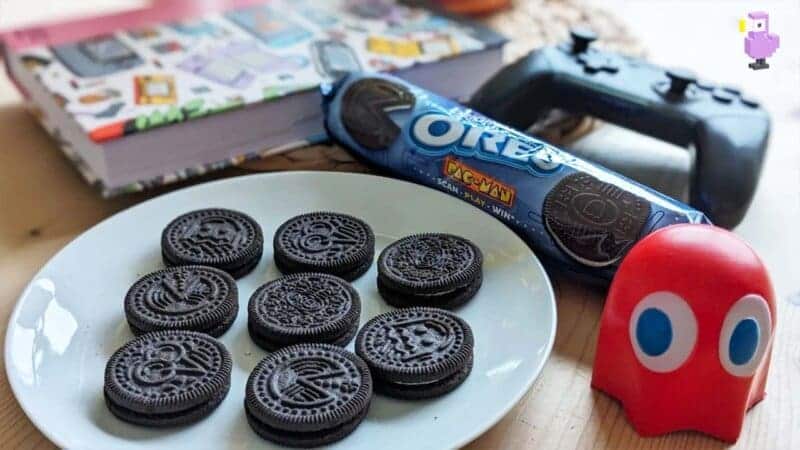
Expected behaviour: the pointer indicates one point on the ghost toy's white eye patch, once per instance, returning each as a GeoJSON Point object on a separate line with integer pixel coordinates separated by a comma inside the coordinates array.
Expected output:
{"type": "Point", "coordinates": [663, 331]}
{"type": "Point", "coordinates": [745, 333]}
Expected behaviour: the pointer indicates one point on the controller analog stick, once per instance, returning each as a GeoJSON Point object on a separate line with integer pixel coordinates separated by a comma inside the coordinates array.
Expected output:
{"type": "Point", "coordinates": [679, 80]}
{"type": "Point", "coordinates": [581, 38]}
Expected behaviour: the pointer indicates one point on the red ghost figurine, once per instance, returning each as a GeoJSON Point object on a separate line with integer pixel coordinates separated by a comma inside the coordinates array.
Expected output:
{"type": "Point", "coordinates": [686, 333]}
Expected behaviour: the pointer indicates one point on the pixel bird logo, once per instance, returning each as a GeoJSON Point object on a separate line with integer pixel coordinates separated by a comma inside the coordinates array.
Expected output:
{"type": "Point", "coordinates": [759, 43]}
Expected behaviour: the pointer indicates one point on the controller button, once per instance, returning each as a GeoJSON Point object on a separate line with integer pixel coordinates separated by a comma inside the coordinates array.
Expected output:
{"type": "Point", "coordinates": [732, 89]}
{"type": "Point", "coordinates": [705, 85]}
{"type": "Point", "coordinates": [750, 101]}
{"type": "Point", "coordinates": [722, 96]}
{"type": "Point", "coordinates": [581, 38]}
{"type": "Point", "coordinates": [679, 80]}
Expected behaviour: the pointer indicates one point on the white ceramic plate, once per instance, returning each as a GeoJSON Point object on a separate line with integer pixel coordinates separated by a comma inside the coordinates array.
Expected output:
{"type": "Point", "coordinates": [69, 320]}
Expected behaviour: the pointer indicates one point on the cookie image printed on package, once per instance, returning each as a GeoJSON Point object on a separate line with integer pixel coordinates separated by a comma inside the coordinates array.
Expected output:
{"type": "Point", "coordinates": [593, 221]}
{"type": "Point", "coordinates": [365, 111]}
{"type": "Point", "coordinates": [577, 215]}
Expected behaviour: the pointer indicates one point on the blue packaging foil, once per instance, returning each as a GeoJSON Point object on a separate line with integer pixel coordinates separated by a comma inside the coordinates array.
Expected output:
{"type": "Point", "coordinates": [578, 215]}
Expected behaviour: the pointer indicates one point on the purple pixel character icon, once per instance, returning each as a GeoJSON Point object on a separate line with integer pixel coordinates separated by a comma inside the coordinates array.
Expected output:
{"type": "Point", "coordinates": [759, 43]}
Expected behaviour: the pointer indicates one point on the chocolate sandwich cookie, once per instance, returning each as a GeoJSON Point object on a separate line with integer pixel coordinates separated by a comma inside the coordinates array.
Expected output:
{"type": "Point", "coordinates": [308, 395]}
{"type": "Point", "coordinates": [303, 308]}
{"type": "Point", "coordinates": [221, 238]}
{"type": "Point", "coordinates": [325, 242]}
{"type": "Point", "coordinates": [432, 269]}
{"type": "Point", "coordinates": [194, 298]}
{"type": "Point", "coordinates": [416, 353]}
{"type": "Point", "coordinates": [366, 107]}
{"type": "Point", "coordinates": [592, 221]}
{"type": "Point", "coordinates": [167, 378]}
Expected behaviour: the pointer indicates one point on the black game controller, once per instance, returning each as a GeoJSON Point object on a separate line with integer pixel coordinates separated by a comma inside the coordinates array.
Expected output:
{"type": "Point", "coordinates": [729, 130]}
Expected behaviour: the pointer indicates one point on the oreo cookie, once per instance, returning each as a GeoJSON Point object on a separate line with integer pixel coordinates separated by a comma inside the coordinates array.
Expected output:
{"type": "Point", "coordinates": [327, 242]}
{"type": "Point", "coordinates": [432, 269]}
{"type": "Point", "coordinates": [167, 378]}
{"type": "Point", "coordinates": [304, 308]}
{"type": "Point", "coordinates": [416, 353]}
{"type": "Point", "coordinates": [308, 395]}
{"type": "Point", "coordinates": [365, 111]}
{"type": "Point", "coordinates": [194, 298]}
{"type": "Point", "coordinates": [592, 221]}
{"type": "Point", "coordinates": [221, 238]}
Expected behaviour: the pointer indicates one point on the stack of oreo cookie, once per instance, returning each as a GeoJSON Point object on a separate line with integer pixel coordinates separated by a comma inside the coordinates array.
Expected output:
{"type": "Point", "coordinates": [308, 395]}
{"type": "Point", "coordinates": [333, 243]}
{"type": "Point", "coordinates": [195, 298]}
{"type": "Point", "coordinates": [432, 269]}
{"type": "Point", "coordinates": [167, 378]}
{"type": "Point", "coordinates": [416, 353]}
{"type": "Point", "coordinates": [221, 238]}
{"type": "Point", "coordinates": [302, 308]}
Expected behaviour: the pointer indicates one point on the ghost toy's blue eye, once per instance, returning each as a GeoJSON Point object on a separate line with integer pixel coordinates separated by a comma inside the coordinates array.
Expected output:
{"type": "Point", "coordinates": [654, 331]}
{"type": "Point", "coordinates": [744, 341]}
{"type": "Point", "coordinates": [744, 335]}
{"type": "Point", "coordinates": [663, 331]}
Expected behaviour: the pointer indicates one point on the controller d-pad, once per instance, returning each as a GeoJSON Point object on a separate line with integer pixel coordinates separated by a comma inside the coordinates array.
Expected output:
{"type": "Point", "coordinates": [594, 62]}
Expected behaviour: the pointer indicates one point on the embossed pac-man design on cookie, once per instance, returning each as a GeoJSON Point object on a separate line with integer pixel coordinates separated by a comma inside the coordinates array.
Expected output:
{"type": "Point", "coordinates": [594, 222]}
{"type": "Point", "coordinates": [416, 353]}
{"type": "Point", "coordinates": [195, 298]}
{"type": "Point", "coordinates": [303, 308]}
{"type": "Point", "coordinates": [366, 107]}
{"type": "Point", "coordinates": [308, 395]}
{"type": "Point", "coordinates": [221, 238]}
{"type": "Point", "coordinates": [167, 378]}
{"type": "Point", "coordinates": [326, 242]}
{"type": "Point", "coordinates": [433, 269]}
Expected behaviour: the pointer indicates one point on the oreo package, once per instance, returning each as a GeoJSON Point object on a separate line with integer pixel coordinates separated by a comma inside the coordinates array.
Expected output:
{"type": "Point", "coordinates": [578, 215]}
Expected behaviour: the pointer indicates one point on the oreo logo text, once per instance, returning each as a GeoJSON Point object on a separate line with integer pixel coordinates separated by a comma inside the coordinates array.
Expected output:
{"type": "Point", "coordinates": [438, 134]}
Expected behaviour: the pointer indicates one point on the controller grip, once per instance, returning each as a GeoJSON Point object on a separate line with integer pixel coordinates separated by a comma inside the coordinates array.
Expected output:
{"type": "Point", "coordinates": [727, 167]}
{"type": "Point", "coordinates": [518, 94]}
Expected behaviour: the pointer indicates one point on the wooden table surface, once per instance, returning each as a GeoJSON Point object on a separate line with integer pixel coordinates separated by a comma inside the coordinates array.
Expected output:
{"type": "Point", "coordinates": [44, 204]}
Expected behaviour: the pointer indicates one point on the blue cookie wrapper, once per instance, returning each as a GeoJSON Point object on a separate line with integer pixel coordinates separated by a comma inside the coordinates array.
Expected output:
{"type": "Point", "coordinates": [508, 174]}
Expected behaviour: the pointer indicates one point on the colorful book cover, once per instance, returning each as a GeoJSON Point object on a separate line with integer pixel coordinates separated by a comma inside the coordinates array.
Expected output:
{"type": "Point", "coordinates": [154, 74]}
{"type": "Point", "coordinates": [130, 81]}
